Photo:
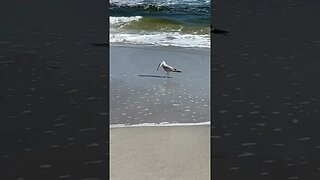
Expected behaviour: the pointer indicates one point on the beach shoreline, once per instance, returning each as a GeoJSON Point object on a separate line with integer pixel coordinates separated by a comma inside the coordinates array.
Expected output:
{"type": "Point", "coordinates": [140, 94]}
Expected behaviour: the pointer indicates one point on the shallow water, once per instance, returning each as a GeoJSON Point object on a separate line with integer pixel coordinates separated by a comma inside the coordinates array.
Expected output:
{"type": "Point", "coordinates": [141, 94]}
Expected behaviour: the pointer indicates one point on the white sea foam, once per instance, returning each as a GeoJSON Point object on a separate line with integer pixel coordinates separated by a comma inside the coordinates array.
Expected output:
{"type": "Point", "coordinates": [158, 2]}
{"type": "Point", "coordinates": [122, 20]}
{"type": "Point", "coordinates": [162, 124]}
{"type": "Point", "coordinates": [162, 39]}
{"type": "Point", "coordinates": [119, 34]}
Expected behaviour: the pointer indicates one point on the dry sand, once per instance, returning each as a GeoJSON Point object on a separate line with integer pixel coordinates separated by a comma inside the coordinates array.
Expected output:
{"type": "Point", "coordinates": [159, 153]}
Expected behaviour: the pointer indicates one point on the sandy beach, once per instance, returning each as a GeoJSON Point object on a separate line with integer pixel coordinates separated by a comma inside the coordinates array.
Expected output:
{"type": "Point", "coordinates": [141, 97]}
{"type": "Point", "coordinates": [144, 153]}
{"type": "Point", "coordinates": [141, 94]}
{"type": "Point", "coordinates": [159, 122]}
{"type": "Point", "coordinates": [53, 92]}
{"type": "Point", "coordinates": [265, 90]}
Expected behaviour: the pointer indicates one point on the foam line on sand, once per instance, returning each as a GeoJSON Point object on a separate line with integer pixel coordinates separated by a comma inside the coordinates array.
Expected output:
{"type": "Point", "coordinates": [159, 124]}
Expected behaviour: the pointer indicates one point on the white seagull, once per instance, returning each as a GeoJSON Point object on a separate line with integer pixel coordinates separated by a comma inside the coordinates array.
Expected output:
{"type": "Point", "coordinates": [167, 68]}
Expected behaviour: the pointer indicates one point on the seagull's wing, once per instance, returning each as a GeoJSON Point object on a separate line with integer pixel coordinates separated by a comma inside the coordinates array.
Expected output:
{"type": "Point", "coordinates": [170, 68]}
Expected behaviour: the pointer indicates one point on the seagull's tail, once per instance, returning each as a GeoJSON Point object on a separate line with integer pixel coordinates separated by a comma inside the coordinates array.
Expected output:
{"type": "Point", "coordinates": [177, 71]}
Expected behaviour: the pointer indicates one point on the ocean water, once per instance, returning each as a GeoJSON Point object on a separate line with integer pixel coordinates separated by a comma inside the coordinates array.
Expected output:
{"type": "Point", "coordinates": [142, 34]}
{"type": "Point", "coordinates": [182, 23]}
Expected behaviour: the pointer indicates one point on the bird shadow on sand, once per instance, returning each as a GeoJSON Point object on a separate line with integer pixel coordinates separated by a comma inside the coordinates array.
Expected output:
{"type": "Point", "coordinates": [155, 76]}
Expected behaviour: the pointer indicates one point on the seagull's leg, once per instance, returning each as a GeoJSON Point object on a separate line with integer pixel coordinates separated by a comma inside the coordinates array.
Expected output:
{"type": "Point", "coordinates": [167, 74]}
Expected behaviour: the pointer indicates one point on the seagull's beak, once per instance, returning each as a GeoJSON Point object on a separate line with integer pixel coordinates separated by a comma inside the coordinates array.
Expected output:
{"type": "Point", "coordinates": [159, 66]}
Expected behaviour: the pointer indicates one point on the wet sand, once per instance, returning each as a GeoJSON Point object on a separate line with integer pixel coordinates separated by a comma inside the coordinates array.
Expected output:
{"type": "Point", "coordinates": [266, 105]}
{"type": "Point", "coordinates": [180, 153]}
{"type": "Point", "coordinates": [141, 94]}
{"type": "Point", "coordinates": [53, 92]}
